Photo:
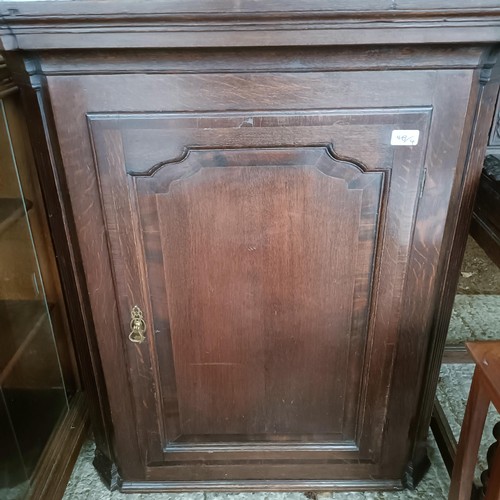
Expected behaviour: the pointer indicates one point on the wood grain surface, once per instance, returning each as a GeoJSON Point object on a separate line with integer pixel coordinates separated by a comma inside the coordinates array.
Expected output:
{"type": "Point", "coordinates": [295, 269]}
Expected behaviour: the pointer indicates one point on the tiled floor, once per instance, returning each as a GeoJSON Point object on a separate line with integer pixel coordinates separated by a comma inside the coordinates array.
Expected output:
{"type": "Point", "coordinates": [475, 317]}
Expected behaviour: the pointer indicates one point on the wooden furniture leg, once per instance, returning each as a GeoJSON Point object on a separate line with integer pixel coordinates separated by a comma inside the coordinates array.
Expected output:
{"type": "Point", "coordinates": [485, 388]}
{"type": "Point", "coordinates": [470, 438]}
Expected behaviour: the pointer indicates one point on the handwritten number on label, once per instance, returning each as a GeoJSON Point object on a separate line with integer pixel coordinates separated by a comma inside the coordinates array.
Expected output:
{"type": "Point", "coordinates": [405, 137]}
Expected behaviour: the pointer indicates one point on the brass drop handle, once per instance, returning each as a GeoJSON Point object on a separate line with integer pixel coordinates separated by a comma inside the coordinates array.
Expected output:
{"type": "Point", "coordinates": [137, 326]}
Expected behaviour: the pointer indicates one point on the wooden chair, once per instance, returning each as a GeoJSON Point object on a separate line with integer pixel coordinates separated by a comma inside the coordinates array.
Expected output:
{"type": "Point", "coordinates": [485, 388]}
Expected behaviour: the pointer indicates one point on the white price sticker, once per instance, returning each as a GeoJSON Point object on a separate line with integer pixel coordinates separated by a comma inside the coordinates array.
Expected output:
{"type": "Point", "coordinates": [404, 137]}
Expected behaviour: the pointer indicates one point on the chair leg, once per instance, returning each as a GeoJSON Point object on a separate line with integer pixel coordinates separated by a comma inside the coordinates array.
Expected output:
{"type": "Point", "coordinates": [470, 438]}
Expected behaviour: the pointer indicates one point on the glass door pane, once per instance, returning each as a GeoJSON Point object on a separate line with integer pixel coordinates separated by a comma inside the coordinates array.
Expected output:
{"type": "Point", "coordinates": [33, 392]}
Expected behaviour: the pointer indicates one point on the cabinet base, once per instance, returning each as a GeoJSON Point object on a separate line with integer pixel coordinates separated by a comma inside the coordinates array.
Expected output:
{"type": "Point", "coordinates": [417, 468]}
{"type": "Point", "coordinates": [256, 485]}
{"type": "Point", "coordinates": [107, 470]}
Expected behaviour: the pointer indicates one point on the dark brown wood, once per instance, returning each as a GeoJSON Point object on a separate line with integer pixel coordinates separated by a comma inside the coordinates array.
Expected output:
{"type": "Point", "coordinates": [230, 127]}
{"type": "Point", "coordinates": [176, 128]}
{"type": "Point", "coordinates": [261, 60]}
{"type": "Point", "coordinates": [479, 120]}
{"type": "Point", "coordinates": [485, 226]}
{"type": "Point", "coordinates": [284, 296]}
{"type": "Point", "coordinates": [456, 354]}
{"type": "Point", "coordinates": [61, 223]}
{"type": "Point", "coordinates": [494, 138]}
{"type": "Point", "coordinates": [488, 240]}
{"type": "Point", "coordinates": [107, 470]}
{"type": "Point", "coordinates": [275, 397]}
{"type": "Point", "coordinates": [252, 485]}
{"type": "Point", "coordinates": [444, 437]}
{"type": "Point", "coordinates": [179, 23]}
{"type": "Point", "coordinates": [56, 464]}
{"type": "Point", "coordinates": [295, 270]}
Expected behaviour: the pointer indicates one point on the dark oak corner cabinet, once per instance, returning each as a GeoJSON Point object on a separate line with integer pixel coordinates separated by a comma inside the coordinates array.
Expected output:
{"type": "Point", "coordinates": [261, 210]}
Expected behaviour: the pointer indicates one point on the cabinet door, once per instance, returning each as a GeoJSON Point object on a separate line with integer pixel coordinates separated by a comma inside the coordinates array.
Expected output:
{"type": "Point", "coordinates": [266, 253]}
